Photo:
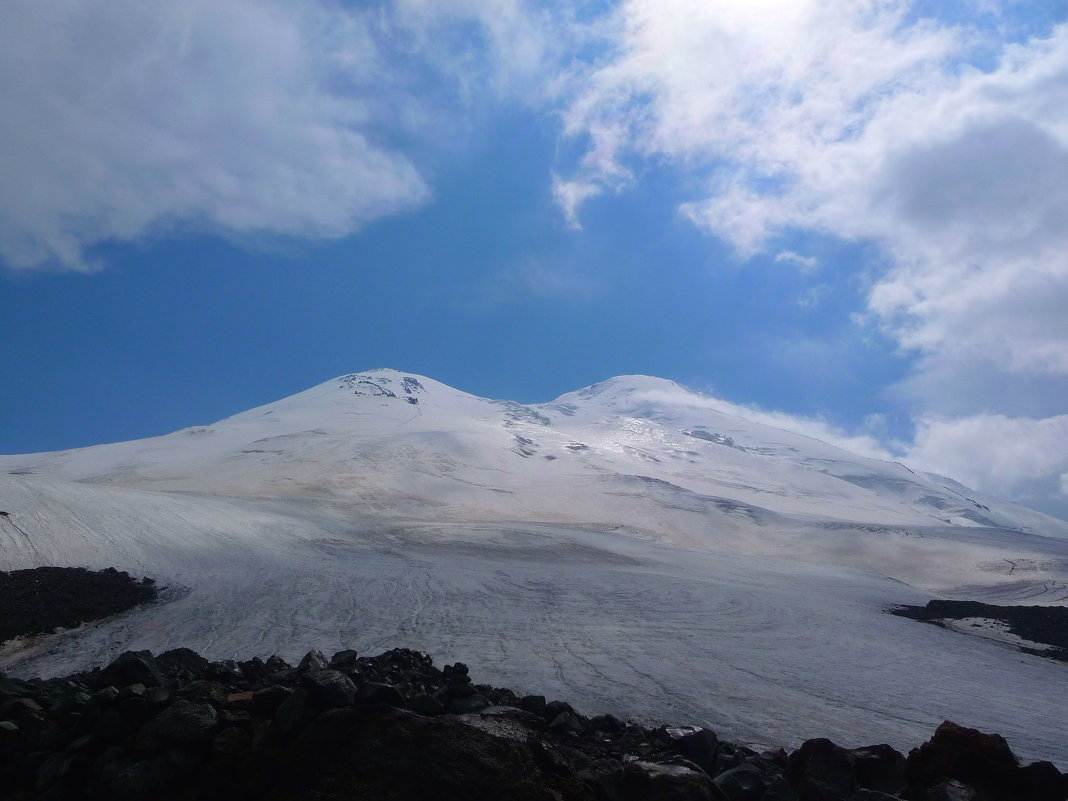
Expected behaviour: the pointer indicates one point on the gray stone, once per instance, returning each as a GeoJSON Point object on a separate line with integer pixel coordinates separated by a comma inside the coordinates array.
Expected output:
{"type": "Point", "coordinates": [204, 692]}
{"type": "Point", "coordinates": [950, 791]}
{"type": "Point", "coordinates": [313, 662]}
{"type": "Point", "coordinates": [469, 703]}
{"type": "Point", "coordinates": [345, 660]}
{"type": "Point", "coordinates": [293, 714]}
{"type": "Point", "coordinates": [132, 667]}
{"type": "Point", "coordinates": [376, 693]}
{"type": "Point", "coordinates": [331, 687]}
{"type": "Point", "coordinates": [871, 795]}
{"type": "Point", "coordinates": [649, 781]}
{"type": "Point", "coordinates": [427, 705]}
{"type": "Point", "coordinates": [186, 722]}
{"type": "Point", "coordinates": [743, 783]}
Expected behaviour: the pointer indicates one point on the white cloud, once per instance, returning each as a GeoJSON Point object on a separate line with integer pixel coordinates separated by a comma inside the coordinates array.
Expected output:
{"type": "Point", "coordinates": [758, 86]}
{"type": "Point", "coordinates": [122, 117]}
{"type": "Point", "coordinates": [991, 452]}
{"type": "Point", "coordinates": [865, 122]}
{"type": "Point", "coordinates": [847, 119]}
{"type": "Point", "coordinates": [570, 195]}
{"type": "Point", "coordinates": [1010, 457]}
{"type": "Point", "coordinates": [817, 428]}
{"type": "Point", "coordinates": [805, 263]}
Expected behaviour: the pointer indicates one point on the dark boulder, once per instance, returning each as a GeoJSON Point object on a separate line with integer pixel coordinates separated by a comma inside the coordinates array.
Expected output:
{"type": "Point", "coordinates": [18, 708]}
{"type": "Point", "coordinates": [696, 744]}
{"type": "Point", "coordinates": [780, 790]}
{"type": "Point", "coordinates": [651, 781]}
{"type": "Point", "coordinates": [226, 672]}
{"type": "Point", "coordinates": [275, 664]}
{"type": "Point", "coordinates": [13, 688]}
{"type": "Point", "coordinates": [950, 791]}
{"type": "Point", "coordinates": [983, 762]}
{"type": "Point", "coordinates": [868, 795]}
{"type": "Point", "coordinates": [1042, 780]}
{"type": "Point", "coordinates": [456, 674]}
{"type": "Point", "coordinates": [377, 693]}
{"type": "Point", "coordinates": [426, 704]}
{"type": "Point", "coordinates": [254, 672]}
{"type": "Point", "coordinates": [293, 714]}
{"type": "Point", "coordinates": [204, 692]}
{"type": "Point", "coordinates": [182, 664]}
{"type": "Point", "coordinates": [330, 687]}
{"type": "Point", "coordinates": [468, 704]}
{"type": "Point", "coordinates": [313, 662]}
{"type": "Point", "coordinates": [39, 734]}
{"type": "Point", "coordinates": [186, 722]}
{"type": "Point", "coordinates": [345, 661]}
{"type": "Point", "coordinates": [821, 771]}
{"type": "Point", "coordinates": [111, 726]}
{"type": "Point", "coordinates": [367, 752]}
{"type": "Point", "coordinates": [533, 703]}
{"type": "Point", "coordinates": [743, 783]}
{"type": "Point", "coordinates": [267, 700]}
{"type": "Point", "coordinates": [132, 667]}
{"type": "Point", "coordinates": [605, 778]}
{"type": "Point", "coordinates": [880, 768]}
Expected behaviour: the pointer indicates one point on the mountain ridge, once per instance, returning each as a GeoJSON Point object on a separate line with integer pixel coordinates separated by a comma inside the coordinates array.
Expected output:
{"type": "Point", "coordinates": [689, 560]}
{"type": "Point", "coordinates": [633, 418]}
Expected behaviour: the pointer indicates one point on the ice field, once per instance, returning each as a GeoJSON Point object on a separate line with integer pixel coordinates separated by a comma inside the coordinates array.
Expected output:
{"type": "Point", "coordinates": [633, 548]}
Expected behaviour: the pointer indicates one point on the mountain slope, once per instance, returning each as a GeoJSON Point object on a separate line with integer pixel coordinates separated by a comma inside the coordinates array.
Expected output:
{"type": "Point", "coordinates": [389, 432]}
{"type": "Point", "coordinates": [579, 545]}
{"type": "Point", "coordinates": [635, 453]}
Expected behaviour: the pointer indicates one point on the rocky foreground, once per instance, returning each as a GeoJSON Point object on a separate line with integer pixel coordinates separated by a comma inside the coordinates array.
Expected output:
{"type": "Point", "coordinates": [394, 727]}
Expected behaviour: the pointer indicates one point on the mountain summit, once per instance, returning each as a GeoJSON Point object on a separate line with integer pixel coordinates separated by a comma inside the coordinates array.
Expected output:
{"type": "Point", "coordinates": [629, 530]}
{"type": "Point", "coordinates": [444, 454]}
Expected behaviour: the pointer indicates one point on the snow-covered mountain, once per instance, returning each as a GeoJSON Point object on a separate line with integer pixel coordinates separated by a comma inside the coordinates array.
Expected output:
{"type": "Point", "coordinates": [569, 543]}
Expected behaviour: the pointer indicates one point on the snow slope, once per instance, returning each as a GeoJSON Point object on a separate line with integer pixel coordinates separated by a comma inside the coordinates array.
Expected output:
{"type": "Point", "coordinates": [635, 546]}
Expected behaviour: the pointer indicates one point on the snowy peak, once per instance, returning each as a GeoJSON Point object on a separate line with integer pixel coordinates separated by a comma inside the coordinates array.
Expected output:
{"type": "Point", "coordinates": [622, 386]}
{"type": "Point", "coordinates": [632, 450]}
{"type": "Point", "coordinates": [383, 383]}
{"type": "Point", "coordinates": [633, 395]}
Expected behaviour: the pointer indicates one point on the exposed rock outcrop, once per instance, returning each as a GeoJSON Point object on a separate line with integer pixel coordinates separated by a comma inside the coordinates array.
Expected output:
{"type": "Point", "coordinates": [394, 727]}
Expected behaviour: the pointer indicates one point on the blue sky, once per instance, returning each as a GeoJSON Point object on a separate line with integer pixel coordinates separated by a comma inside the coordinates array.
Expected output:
{"type": "Point", "coordinates": [849, 213]}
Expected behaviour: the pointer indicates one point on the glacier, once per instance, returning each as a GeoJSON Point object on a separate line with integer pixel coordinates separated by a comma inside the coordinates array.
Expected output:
{"type": "Point", "coordinates": [635, 547]}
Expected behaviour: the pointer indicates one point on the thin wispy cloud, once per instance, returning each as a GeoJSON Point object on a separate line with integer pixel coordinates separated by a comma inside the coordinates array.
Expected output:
{"type": "Point", "coordinates": [857, 442]}
{"type": "Point", "coordinates": [530, 281]}
{"type": "Point", "coordinates": [796, 259]}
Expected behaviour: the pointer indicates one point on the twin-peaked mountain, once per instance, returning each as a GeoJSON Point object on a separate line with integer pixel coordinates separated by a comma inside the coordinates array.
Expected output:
{"type": "Point", "coordinates": [636, 451]}
{"type": "Point", "coordinates": [634, 546]}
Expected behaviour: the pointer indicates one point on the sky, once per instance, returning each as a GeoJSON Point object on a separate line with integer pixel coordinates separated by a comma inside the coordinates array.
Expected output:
{"type": "Point", "coordinates": [850, 215]}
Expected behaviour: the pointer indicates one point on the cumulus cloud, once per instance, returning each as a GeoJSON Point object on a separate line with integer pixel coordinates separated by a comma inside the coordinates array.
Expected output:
{"type": "Point", "coordinates": [857, 119]}
{"type": "Point", "coordinates": [1010, 457]}
{"type": "Point", "coordinates": [1027, 450]}
{"type": "Point", "coordinates": [868, 122]}
{"type": "Point", "coordinates": [123, 118]}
